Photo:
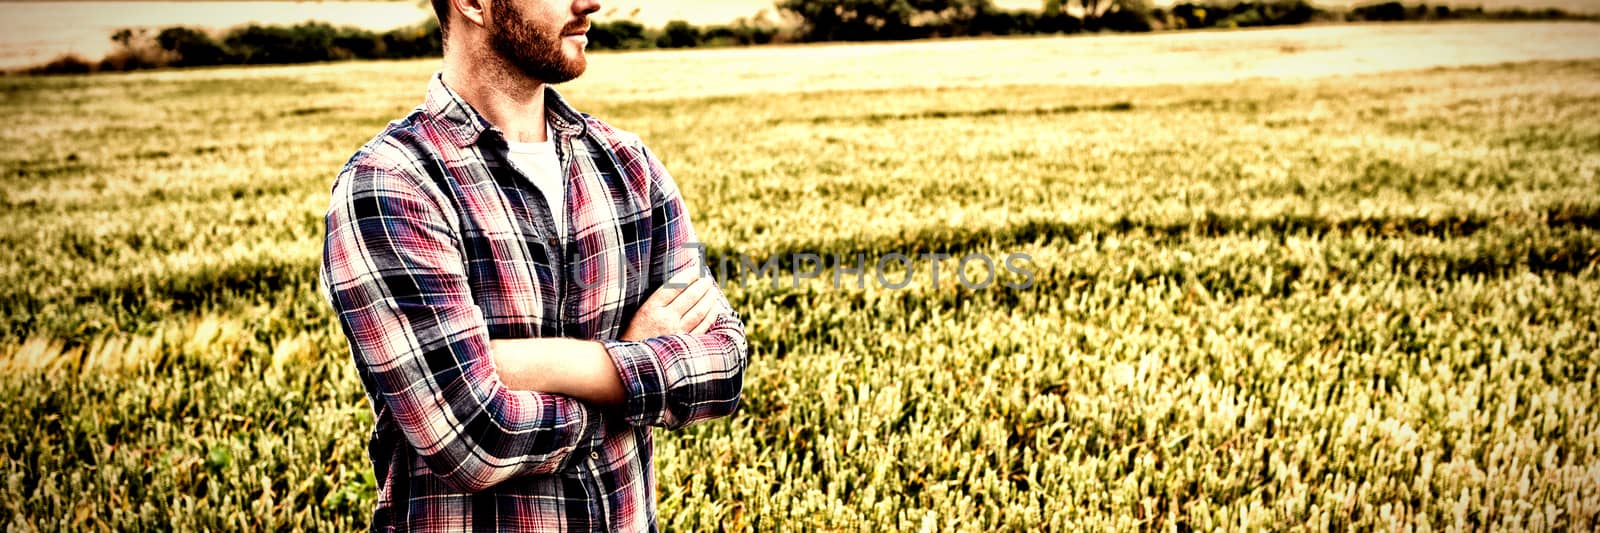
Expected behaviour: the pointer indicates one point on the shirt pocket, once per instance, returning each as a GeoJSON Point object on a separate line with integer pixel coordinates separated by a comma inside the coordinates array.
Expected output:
{"type": "Point", "coordinates": [511, 276]}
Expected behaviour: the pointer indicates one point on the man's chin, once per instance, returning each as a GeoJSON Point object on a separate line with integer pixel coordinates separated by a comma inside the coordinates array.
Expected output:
{"type": "Point", "coordinates": [554, 74]}
{"type": "Point", "coordinates": [565, 76]}
{"type": "Point", "coordinates": [576, 65]}
{"type": "Point", "coordinates": [576, 70]}
{"type": "Point", "coordinates": [577, 59]}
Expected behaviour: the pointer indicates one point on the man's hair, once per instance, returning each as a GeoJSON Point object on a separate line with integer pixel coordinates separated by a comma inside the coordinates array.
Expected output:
{"type": "Point", "coordinates": [441, 9]}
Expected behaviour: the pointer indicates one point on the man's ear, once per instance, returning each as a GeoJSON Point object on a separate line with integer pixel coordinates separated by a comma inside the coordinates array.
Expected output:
{"type": "Point", "coordinates": [475, 12]}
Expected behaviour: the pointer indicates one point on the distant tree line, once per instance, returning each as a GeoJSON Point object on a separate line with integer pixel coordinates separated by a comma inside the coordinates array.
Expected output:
{"type": "Point", "coordinates": [309, 42]}
{"type": "Point", "coordinates": [866, 20]}
{"type": "Point", "coordinates": [817, 20]}
{"type": "Point", "coordinates": [630, 35]}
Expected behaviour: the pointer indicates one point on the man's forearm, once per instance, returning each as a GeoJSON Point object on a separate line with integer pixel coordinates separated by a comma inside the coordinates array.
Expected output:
{"type": "Point", "coordinates": [570, 367]}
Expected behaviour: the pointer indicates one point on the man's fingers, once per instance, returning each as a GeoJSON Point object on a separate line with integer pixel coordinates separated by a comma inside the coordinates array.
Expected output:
{"type": "Point", "coordinates": [690, 296]}
{"type": "Point", "coordinates": [698, 313]}
{"type": "Point", "coordinates": [666, 293]}
{"type": "Point", "coordinates": [705, 323]}
{"type": "Point", "coordinates": [684, 278]}
{"type": "Point", "coordinates": [670, 290]}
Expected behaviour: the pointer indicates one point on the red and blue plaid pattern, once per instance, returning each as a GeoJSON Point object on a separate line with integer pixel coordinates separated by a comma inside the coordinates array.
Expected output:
{"type": "Point", "coordinates": [435, 244]}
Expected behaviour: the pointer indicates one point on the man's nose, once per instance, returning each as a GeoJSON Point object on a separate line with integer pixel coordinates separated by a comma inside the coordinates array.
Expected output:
{"type": "Point", "coordinates": [585, 7]}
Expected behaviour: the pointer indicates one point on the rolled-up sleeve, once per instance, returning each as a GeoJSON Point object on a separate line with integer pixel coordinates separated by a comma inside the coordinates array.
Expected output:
{"type": "Point", "coordinates": [677, 380]}
{"type": "Point", "coordinates": [394, 272]}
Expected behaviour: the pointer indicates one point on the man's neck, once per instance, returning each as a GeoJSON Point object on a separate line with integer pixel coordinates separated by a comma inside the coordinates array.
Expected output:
{"type": "Point", "coordinates": [511, 102]}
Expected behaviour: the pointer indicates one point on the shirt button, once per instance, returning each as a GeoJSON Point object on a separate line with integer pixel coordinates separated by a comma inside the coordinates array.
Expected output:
{"type": "Point", "coordinates": [594, 455]}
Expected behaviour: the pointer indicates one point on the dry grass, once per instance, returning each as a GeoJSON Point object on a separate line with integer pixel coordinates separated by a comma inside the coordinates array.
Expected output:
{"type": "Point", "coordinates": [1351, 302]}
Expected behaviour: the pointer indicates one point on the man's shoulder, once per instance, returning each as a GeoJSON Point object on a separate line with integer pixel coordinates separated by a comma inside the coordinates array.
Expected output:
{"type": "Point", "coordinates": [398, 146]}
{"type": "Point", "coordinates": [635, 161]}
{"type": "Point", "coordinates": [402, 162]}
{"type": "Point", "coordinates": [617, 140]}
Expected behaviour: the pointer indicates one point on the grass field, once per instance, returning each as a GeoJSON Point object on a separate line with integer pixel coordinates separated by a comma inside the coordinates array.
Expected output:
{"type": "Point", "coordinates": [1348, 301]}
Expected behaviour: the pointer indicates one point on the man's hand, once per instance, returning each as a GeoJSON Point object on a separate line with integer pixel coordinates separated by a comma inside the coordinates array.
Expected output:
{"type": "Point", "coordinates": [682, 305]}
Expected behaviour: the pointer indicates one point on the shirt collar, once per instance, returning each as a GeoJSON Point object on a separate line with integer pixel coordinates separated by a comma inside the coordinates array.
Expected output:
{"type": "Point", "coordinates": [465, 125]}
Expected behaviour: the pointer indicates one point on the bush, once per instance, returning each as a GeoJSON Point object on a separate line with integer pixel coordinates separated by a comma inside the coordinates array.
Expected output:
{"type": "Point", "coordinates": [1384, 12]}
{"type": "Point", "coordinates": [316, 41]}
{"type": "Point", "coordinates": [1290, 13]}
{"type": "Point", "coordinates": [678, 34]}
{"type": "Point", "coordinates": [1250, 14]}
{"type": "Point", "coordinates": [618, 35]}
{"type": "Point", "coordinates": [191, 47]}
{"type": "Point", "coordinates": [423, 40]}
{"type": "Point", "coordinates": [756, 30]}
{"type": "Point", "coordinates": [66, 64]}
{"type": "Point", "coordinates": [1243, 14]}
{"type": "Point", "coordinates": [253, 44]}
{"type": "Point", "coordinates": [1184, 16]}
{"type": "Point", "coordinates": [301, 43]}
{"type": "Point", "coordinates": [865, 20]}
{"type": "Point", "coordinates": [352, 43]}
{"type": "Point", "coordinates": [1125, 20]}
{"type": "Point", "coordinates": [1006, 23]}
{"type": "Point", "coordinates": [1060, 23]}
{"type": "Point", "coordinates": [1122, 15]}
{"type": "Point", "coordinates": [135, 51]}
{"type": "Point", "coordinates": [713, 36]}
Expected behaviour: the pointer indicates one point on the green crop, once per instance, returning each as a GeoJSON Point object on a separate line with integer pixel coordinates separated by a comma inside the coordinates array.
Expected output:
{"type": "Point", "coordinates": [1354, 302]}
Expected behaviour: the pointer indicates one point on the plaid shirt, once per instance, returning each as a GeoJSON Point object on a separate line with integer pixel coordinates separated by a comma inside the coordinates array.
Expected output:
{"type": "Point", "coordinates": [435, 244]}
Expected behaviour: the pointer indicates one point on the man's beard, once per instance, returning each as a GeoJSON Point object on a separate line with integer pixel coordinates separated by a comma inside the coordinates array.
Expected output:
{"type": "Point", "coordinates": [535, 52]}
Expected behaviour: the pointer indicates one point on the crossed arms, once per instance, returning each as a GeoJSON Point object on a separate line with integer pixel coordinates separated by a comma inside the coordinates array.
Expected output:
{"type": "Point", "coordinates": [479, 412]}
{"type": "Point", "coordinates": [687, 304]}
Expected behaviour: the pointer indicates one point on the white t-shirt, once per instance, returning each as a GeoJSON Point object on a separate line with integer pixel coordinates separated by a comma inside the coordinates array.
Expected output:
{"type": "Point", "coordinates": [538, 161]}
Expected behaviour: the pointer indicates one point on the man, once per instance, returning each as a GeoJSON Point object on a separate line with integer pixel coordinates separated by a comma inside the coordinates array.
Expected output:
{"type": "Point", "coordinates": [514, 279]}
